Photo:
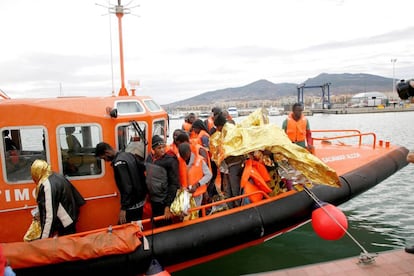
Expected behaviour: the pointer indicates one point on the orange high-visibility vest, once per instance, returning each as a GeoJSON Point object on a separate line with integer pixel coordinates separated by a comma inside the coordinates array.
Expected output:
{"type": "Point", "coordinates": [296, 130]}
{"type": "Point", "coordinates": [186, 126]}
{"type": "Point", "coordinates": [197, 137]}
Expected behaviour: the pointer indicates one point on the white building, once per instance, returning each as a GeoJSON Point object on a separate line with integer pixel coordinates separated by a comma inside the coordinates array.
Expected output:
{"type": "Point", "coordinates": [369, 99]}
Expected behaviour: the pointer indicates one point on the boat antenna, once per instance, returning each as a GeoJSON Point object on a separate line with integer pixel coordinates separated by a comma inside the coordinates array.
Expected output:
{"type": "Point", "coordinates": [119, 10]}
{"type": "Point", "coordinates": [112, 58]}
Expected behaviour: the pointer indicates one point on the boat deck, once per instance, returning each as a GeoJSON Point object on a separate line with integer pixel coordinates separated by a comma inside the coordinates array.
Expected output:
{"type": "Point", "coordinates": [395, 262]}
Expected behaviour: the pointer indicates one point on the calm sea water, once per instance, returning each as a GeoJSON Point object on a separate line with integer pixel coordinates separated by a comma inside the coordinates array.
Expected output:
{"type": "Point", "coordinates": [379, 219]}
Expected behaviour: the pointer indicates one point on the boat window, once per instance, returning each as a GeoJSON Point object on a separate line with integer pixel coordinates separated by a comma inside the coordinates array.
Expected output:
{"type": "Point", "coordinates": [129, 107]}
{"type": "Point", "coordinates": [152, 105]}
{"type": "Point", "coordinates": [21, 147]}
{"type": "Point", "coordinates": [131, 137]}
{"type": "Point", "coordinates": [159, 128]}
{"type": "Point", "coordinates": [77, 147]}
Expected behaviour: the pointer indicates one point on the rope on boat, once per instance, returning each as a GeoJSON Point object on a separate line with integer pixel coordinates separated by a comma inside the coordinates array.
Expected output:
{"type": "Point", "coordinates": [365, 257]}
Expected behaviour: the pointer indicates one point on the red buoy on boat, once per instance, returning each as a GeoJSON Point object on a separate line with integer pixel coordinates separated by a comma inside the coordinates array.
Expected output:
{"type": "Point", "coordinates": [327, 222]}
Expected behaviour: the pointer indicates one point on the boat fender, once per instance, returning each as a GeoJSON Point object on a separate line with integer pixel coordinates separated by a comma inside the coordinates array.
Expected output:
{"type": "Point", "coordinates": [329, 222]}
{"type": "Point", "coordinates": [156, 269]}
{"type": "Point", "coordinates": [123, 239]}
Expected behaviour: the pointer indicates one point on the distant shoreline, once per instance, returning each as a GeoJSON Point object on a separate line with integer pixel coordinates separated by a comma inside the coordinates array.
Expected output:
{"type": "Point", "coordinates": [361, 110]}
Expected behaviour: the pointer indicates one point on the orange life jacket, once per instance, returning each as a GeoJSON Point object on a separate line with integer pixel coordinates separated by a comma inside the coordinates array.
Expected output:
{"type": "Point", "coordinates": [172, 148]}
{"type": "Point", "coordinates": [296, 130]}
{"type": "Point", "coordinates": [195, 148]}
{"type": "Point", "coordinates": [186, 126]}
{"type": "Point", "coordinates": [254, 178]}
{"type": "Point", "coordinates": [197, 139]}
{"type": "Point", "coordinates": [190, 176]}
{"type": "Point", "coordinates": [210, 123]}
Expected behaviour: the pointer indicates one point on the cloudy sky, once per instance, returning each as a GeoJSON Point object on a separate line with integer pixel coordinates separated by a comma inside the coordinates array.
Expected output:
{"type": "Point", "coordinates": [181, 48]}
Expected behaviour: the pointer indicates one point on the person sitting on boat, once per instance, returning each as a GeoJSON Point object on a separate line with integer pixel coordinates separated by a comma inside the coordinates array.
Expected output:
{"type": "Point", "coordinates": [57, 199]}
{"type": "Point", "coordinates": [129, 175]}
{"type": "Point", "coordinates": [194, 172]}
{"type": "Point", "coordinates": [74, 146]}
{"type": "Point", "coordinates": [297, 128]}
{"type": "Point", "coordinates": [162, 180]}
{"type": "Point", "coordinates": [12, 154]}
{"type": "Point", "coordinates": [233, 166]}
{"type": "Point", "coordinates": [9, 144]}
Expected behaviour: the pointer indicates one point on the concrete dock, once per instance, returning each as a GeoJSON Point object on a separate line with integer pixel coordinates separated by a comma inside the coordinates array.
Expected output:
{"type": "Point", "coordinates": [388, 263]}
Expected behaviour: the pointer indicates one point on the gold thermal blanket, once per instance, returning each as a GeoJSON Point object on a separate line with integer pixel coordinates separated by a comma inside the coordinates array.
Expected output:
{"type": "Point", "coordinates": [255, 133]}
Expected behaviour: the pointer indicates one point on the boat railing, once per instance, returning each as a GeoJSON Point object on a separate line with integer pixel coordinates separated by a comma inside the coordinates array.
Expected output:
{"type": "Point", "coordinates": [25, 207]}
{"type": "Point", "coordinates": [356, 133]}
{"type": "Point", "coordinates": [205, 207]}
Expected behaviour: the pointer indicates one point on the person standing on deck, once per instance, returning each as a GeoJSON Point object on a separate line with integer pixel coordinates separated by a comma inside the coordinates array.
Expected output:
{"type": "Point", "coordinates": [194, 172]}
{"type": "Point", "coordinates": [162, 180]}
{"type": "Point", "coordinates": [188, 122]}
{"type": "Point", "coordinates": [129, 174]}
{"type": "Point", "coordinates": [201, 135]}
{"type": "Point", "coordinates": [232, 168]}
{"type": "Point", "coordinates": [173, 147]}
{"type": "Point", "coordinates": [58, 201]}
{"type": "Point", "coordinates": [297, 128]}
{"type": "Point", "coordinates": [209, 122]}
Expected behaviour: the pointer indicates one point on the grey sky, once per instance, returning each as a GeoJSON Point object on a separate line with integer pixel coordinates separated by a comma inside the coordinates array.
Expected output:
{"type": "Point", "coordinates": [178, 49]}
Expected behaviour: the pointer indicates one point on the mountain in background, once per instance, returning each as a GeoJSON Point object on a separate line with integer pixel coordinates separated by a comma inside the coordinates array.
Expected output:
{"type": "Point", "coordinates": [266, 90]}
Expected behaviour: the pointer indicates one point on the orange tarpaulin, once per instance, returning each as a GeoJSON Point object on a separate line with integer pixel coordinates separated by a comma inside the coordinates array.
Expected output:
{"type": "Point", "coordinates": [121, 240]}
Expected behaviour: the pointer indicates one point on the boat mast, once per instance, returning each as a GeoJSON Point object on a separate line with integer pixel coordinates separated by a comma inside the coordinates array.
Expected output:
{"type": "Point", "coordinates": [119, 12]}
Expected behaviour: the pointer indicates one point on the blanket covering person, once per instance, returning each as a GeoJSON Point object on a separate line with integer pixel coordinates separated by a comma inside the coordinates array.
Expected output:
{"type": "Point", "coordinates": [255, 133]}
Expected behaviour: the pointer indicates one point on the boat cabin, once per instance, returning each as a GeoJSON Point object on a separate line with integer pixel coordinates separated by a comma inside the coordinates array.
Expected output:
{"type": "Point", "coordinates": [64, 132]}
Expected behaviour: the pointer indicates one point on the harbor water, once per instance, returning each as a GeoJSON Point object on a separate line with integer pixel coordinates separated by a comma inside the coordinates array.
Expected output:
{"type": "Point", "coordinates": [380, 219]}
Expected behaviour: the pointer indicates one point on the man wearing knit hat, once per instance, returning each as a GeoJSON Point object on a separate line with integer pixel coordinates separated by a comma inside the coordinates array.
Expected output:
{"type": "Point", "coordinates": [162, 180]}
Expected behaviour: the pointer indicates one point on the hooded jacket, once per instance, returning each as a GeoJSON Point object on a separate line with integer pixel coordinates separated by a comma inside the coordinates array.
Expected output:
{"type": "Point", "coordinates": [130, 179]}
{"type": "Point", "coordinates": [58, 203]}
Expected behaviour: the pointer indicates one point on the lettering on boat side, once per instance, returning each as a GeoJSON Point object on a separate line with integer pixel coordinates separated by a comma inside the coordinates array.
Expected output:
{"type": "Point", "coordinates": [16, 194]}
{"type": "Point", "coordinates": [341, 157]}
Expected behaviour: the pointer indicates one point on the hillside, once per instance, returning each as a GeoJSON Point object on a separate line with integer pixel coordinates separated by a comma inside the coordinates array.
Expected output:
{"type": "Point", "coordinates": [266, 90]}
